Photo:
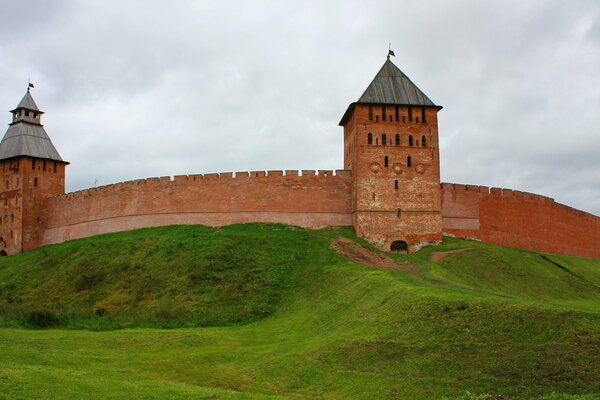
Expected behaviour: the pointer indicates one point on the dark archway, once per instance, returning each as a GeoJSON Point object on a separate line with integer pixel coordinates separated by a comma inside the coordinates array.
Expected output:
{"type": "Point", "coordinates": [3, 253]}
{"type": "Point", "coordinates": [399, 245]}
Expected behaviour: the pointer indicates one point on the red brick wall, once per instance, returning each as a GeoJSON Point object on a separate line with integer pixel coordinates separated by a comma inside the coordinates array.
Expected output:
{"type": "Point", "coordinates": [11, 196]}
{"type": "Point", "coordinates": [25, 183]}
{"type": "Point", "coordinates": [397, 201]}
{"type": "Point", "coordinates": [518, 219]}
{"type": "Point", "coordinates": [310, 200]}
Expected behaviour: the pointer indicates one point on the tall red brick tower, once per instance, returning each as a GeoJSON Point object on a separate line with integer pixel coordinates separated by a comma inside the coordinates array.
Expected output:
{"type": "Point", "coordinates": [31, 171]}
{"type": "Point", "coordinates": [391, 145]}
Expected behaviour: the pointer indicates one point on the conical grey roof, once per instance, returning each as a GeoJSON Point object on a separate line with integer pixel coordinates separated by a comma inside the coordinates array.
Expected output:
{"type": "Point", "coordinates": [27, 138]}
{"type": "Point", "coordinates": [28, 103]}
{"type": "Point", "coordinates": [391, 86]}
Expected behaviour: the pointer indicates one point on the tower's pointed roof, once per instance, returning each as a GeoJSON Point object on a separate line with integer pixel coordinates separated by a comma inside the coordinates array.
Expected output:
{"type": "Point", "coordinates": [28, 103]}
{"type": "Point", "coordinates": [26, 136]}
{"type": "Point", "coordinates": [392, 86]}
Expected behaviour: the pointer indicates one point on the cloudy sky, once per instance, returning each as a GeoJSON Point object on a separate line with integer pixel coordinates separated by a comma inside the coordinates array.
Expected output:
{"type": "Point", "coordinates": [153, 88]}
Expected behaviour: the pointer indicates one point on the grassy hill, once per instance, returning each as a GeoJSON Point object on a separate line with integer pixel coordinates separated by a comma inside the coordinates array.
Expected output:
{"type": "Point", "coordinates": [272, 312]}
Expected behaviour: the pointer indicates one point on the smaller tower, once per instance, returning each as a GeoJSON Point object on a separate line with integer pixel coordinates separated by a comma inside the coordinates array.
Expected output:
{"type": "Point", "coordinates": [31, 170]}
{"type": "Point", "coordinates": [391, 145]}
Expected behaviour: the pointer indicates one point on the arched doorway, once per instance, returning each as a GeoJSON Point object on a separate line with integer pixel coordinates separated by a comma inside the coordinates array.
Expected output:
{"type": "Point", "coordinates": [3, 253]}
{"type": "Point", "coordinates": [400, 246]}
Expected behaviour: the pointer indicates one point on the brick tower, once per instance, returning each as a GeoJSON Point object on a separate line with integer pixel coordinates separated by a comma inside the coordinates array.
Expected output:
{"type": "Point", "coordinates": [31, 170]}
{"type": "Point", "coordinates": [391, 145]}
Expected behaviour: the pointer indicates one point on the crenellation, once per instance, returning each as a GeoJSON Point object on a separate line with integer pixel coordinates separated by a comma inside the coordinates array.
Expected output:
{"type": "Point", "coordinates": [179, 179]}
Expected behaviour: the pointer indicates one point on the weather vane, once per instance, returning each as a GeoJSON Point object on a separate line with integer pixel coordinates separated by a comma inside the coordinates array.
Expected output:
{"type": "Point", "coordinates": [29, 84]}
{"type": "Point", "coordinates": [390, 51]}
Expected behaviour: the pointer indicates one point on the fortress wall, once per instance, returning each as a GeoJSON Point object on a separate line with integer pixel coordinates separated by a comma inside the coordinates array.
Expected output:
{"type": "Point", "coordinates": [518, 219]}
{"type": "Point", "coordinates": [310, 199]}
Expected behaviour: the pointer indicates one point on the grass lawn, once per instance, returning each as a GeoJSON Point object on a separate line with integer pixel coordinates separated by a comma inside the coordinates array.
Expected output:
{"type": "Point", "coordinates": [271, 312]}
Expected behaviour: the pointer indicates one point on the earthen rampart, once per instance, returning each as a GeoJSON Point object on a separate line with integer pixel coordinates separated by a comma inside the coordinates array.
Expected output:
{"type": "Point", "coordinates": [310, 199]}
{"type": "Point", "coordinates": [518, 219]}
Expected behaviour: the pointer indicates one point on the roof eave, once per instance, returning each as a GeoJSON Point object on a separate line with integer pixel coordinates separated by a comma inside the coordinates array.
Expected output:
{"type": "Point", "coordinates": [28, 109]}
{"type": "Point", "coordinates": [347, 114]}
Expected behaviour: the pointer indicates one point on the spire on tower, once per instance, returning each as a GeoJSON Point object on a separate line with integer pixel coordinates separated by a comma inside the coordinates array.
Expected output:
{"type": "Point", "coordinates": [26, 135]}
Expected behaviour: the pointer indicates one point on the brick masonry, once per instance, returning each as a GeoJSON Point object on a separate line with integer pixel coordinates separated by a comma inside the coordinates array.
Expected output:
{"type": "Point", "coordinates": [518, 219]}
{"type": "Point", "coordinates": [310, 199]}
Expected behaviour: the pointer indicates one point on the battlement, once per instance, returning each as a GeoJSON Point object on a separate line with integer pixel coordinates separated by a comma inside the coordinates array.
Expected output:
{"type": "Point", "coordinates": [515, 195]}
{"type": "Point", "coordinates": [168, 181]}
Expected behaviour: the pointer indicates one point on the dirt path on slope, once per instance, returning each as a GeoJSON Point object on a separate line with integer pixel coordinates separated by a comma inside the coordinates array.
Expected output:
{"type": "Point", "coordinates": [361, 255]}
{"type": "Point", "coordinates": [440, 255]}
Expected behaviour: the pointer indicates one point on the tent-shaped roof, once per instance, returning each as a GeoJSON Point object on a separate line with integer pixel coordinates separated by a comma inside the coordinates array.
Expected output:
{"type": "Point", "coordinates": [27, 103]}
{"type": "Point", "coordinates": [25, 137]}
{"type": "Point", "coordinates": [392, 86]}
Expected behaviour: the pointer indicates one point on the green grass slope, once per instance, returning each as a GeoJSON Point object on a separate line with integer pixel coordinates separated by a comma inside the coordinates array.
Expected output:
{"type": "Point", "coordinates": [162, 277]}
{"type": "Point", "coordinates": [487, 321]}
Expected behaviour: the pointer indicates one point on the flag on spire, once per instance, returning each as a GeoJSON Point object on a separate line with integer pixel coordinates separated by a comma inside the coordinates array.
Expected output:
{"type": "Point", "coordinates": [390, 52]}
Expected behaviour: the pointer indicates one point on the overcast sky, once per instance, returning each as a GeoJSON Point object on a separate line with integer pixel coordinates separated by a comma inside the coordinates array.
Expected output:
{"type": "Point", "coordinates": [138, 89]}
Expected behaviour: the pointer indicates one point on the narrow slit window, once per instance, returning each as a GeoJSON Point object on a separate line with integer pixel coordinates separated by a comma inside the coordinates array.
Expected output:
{"type": "Point", "coordinates": [398, 212]}
{"type": "Point", "coordinates": [370, 138]}
{"type": "Point", "coordinates": [423, 115]}
{"type": "Point", "coordinates": [396, 184]}
{"type": "Point", "coordinates": [383, 113]}
{"type": "Point", "coordinates": [35, 182]}
{"type": "Point", "coordinates": [386, 161]}
{"type": "Point", "coordinates": [409, 161]}
{"type": "Point", "coordinates": [377, 118]}
{"type": "Point", "coordinates": [397, 113]}
{"type": "Point", "coordinates": [423, 141]}
{"type": "Point", "coordinates": [370, 112]}
{"type": "Point", "coordinates": [409, 114]}
{"type": "Point", "coordinates": [397, 139]}
{"type": "Point", "coordinates": [33, 163]}
{"type": "Point", "coordinates": [410, 140]}
{"type": "Point", "coordinates": [383, 139]}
